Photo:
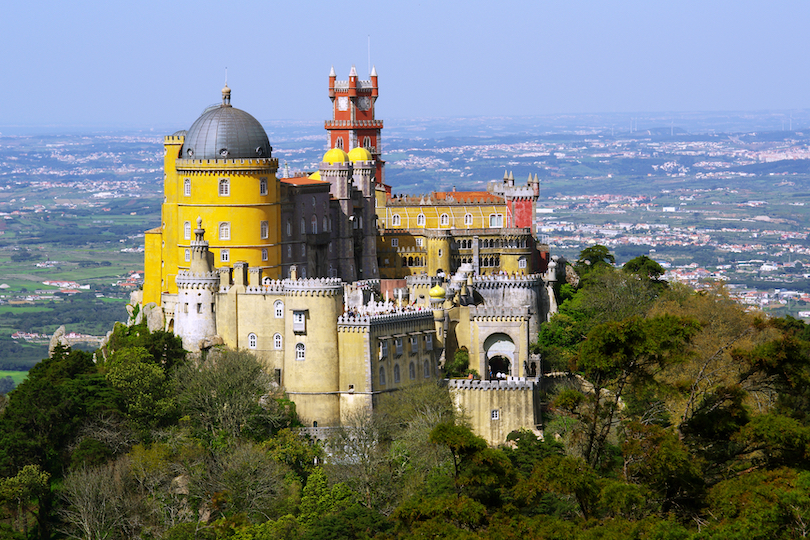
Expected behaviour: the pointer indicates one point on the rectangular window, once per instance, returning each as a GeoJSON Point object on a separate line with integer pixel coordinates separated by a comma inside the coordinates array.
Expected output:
{"type": "Point", "coordinates": [224, 255]}
{"type": "Point", "coordinates": [395, 242]}
{"type": "Point", "coordinates": [224, 187]}
{"type": "Point", "coordinates": [299, 321]}
{"type": "Point", "coordinates": [225, 231]}
{"type": "Point", "coordinates": [429, 342]}
{"type": "Point", "coordinates": [414, 344]}
{"type": "Point", "coordinates": [495, 414]}
{"type": "Point", "coordinates": [262, 186]}
{"type": "Point", "coordinates": [383, 349]}
{"type": "Point", "coordinates": [522, 263]}
{"type": "Point", "coordinates": [398, 343]}
{"type": "Point", "coordinates": [188, 255]}
{"type": "Point", "coordinates": [420, 242]}
{"type": "Point", "coordinates": [187, 187]}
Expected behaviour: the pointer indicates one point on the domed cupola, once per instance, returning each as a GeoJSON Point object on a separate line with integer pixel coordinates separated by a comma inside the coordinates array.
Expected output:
{"type": "Point", "coordinates": [224, 132]}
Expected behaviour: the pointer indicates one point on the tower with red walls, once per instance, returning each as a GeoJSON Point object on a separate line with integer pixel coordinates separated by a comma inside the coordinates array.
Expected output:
{"type": "Point", "coordinates": [353, 123]}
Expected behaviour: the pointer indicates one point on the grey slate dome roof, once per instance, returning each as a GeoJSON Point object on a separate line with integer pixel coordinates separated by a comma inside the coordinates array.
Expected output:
{"type": "Point", "coordinates": [226, 132]}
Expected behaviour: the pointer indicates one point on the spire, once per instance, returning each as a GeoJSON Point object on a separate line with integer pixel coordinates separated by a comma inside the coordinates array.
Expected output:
{"type": "Point", "coordinates": [505, 175]}
{"type": "Point", "coordinates": [353, 72]}
{"type": "Point", "coordinates": [373, 71]}
{"type": "Point", "coordinates": [332, 72]}
{"type": "Point", "coordinates": [511, 177]}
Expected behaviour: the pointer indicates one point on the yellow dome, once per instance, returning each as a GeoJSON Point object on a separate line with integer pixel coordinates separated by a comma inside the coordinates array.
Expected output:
{"type": "Point", "coordinates": [437, 292]}
{"type": "Point", "coordinates": [315, 176]}
{"type": "Point", "coordinates": [335, 155]}
{"type": "Point", "coordinates": [360, 154]}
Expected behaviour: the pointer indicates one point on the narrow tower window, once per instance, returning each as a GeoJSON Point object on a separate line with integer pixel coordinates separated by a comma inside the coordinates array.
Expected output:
{"type": "Point", "coordinates": [420, 220]}
{"type": "Point", "coordinates": [252, 340]}
{"type": "Point", "coordinates": [262, 186]}
{"type": "Point", "coordinates": [264, 229]}
{"type": "Point", "coordinates": [277, 342]}
{"type": "Point", "coordinates": [187, 230]}
{"type": "Point", "coordinates": [187, 187]}
{"type": "Point", "coordinates": [300, 351]}
{"type": "Point", "coordinates": [224, 187]}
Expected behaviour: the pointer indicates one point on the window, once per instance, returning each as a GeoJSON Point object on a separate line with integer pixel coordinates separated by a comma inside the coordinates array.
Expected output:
{"type": "Point", "coordinates": [429, 342]}
{"type": "Point", "coordinates": [264, 229]}
{"type": "Point", "coordinates": [325, 224]}
{"type": "Point", "coordinates": [277, 342]}
{"type": "Point", "coordinates": [300, 351]}
{"type": "Point", "coordinates": [313, 201]}
{"type": "Point", "coordinates": [303, 251]}
{"type": "Point", "coordinates": [264, 254]}
{"type": "Point", "coordinates": [367, 143]}
{"type": "Point", "coordinates": [289, 228]}
{"type": "Point", "coordinates": [496, 220]}
{"type": "Point", "coordinates": [522, 263]}
{"type": "Point", "coordinates": [420, 220]}
{"type": "Point", "coordinates": [468, 219]}
{"type": "Point", "coordinates": [395, 242]}
{"type": "Point", "coordinates": [420, 242]}
{"type": "Point", "coordinates": [224, 255]}
{"type": "Point", "coordinates": [339, 143]}
{"type": "Point", "coordinates": [313, 223]}
{"type": "Point", "coordinates": [495, 414]}
{"type": "Point", "coordinates": [411, 371]}
{"type": "Point", "coordinates": [225, 231]}
{"type": "Point", "coordinates": [262, 186]}
{"type": "Point", "coordinates": [303, 226]}
{"type": "Point", "coordinates": [278, 307]}
{"type": "Point", "coordinates": [187, 187]}
{"type": "Point", "coordinates": [382, 375]}
{"type": "Point", "coordinates": [395, 220]}
{"type": "Point", "coordinates": [224, 187]}
{"type": "Point", "coordinates": [188, 255]}
{"type": "Point", "coordinates": [441, 253]}
{"type": "Point", "coordinates": [383, 349]}
{"type": "Point", "coordinates": [289, 251]}
{"type": "Point", "coordinates": [444, 220]}
{"type": "Point", "coordinates": [414, 343]}
{"type": "Point", "coordinates": [299, 321]}
{"type": "Point", "coordinates": [426, 369]}
{"type": "Point", "coordinates": [396, 373]}
{"type": "Point", "coordinates": [398, 344]}
{"type": "Point", "coordinates": [252, 340]}
{"type": "Point", "coordinates": [187, 230]}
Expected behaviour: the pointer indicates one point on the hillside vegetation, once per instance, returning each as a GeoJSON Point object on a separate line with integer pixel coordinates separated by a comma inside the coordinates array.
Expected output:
{"type": "Point", "coordinates": [694, 424]}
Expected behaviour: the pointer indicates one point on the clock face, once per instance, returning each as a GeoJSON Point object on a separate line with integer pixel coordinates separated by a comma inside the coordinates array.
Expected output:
{"type": "Point", "coordinates": [343, 103]}
{"type": "Point", "coordinates": [364, 103]}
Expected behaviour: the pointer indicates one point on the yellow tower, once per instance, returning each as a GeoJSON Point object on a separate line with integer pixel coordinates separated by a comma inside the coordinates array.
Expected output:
{"type": "Point", "coordinates": [221, 171]}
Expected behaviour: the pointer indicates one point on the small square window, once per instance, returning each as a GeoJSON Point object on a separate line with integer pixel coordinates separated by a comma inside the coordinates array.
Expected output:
{"type": "Point", "coordinates": [495, 414]}
{"type": "Point", "coordinates": [420, 242]}
{"type": "Point", "coordinates": [395, 242]}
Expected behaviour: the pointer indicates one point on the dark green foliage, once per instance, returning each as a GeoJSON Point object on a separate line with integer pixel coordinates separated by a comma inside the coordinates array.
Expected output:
{"type": "Point", "coordinates": [459, 366]}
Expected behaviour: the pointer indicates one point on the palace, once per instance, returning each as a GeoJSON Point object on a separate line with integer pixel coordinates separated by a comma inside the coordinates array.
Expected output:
{"type": "Point", "coordinates": [342, 289]}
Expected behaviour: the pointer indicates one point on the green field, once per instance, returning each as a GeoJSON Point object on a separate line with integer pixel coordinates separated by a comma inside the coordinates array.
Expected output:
{"type": "Point", "coordinates": [17, 376]}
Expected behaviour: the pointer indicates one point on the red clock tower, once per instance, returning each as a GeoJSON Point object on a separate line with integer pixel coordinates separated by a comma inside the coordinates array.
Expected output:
{"type": "Point", "coordinates": [353, 123]}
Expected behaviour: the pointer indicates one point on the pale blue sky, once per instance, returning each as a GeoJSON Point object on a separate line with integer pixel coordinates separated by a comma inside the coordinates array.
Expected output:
{"type": "Point", "coordinates": [149, 63]}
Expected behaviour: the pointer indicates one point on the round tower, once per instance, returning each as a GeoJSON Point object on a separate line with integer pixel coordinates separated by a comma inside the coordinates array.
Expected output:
{"type": "Point", "coordinates": [195, 312]}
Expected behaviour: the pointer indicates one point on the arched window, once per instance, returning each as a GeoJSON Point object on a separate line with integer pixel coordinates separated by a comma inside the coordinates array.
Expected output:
{"type": "Point", "coordinates": [224, 187]}
{"type": "Point", "coordinates": [444, 220]}
{"type": "Point", "coordinates": [300, 351]}
{"type": "Point", "coordinates": [411, 371]}
{"type": "Point", "coordinates": [225, 230]}
{"type": "Point", "coordinates": [367, 143]}
{"type": "Point", "coordinates": [224, 255]}
{"type": "Point", "coordinates": [382, 375]}
{"type": "Point", "coordinates": [278, 307]}
{"type": "Point", "coordinates": [187, 187]}
{"type": "Point", "coordinates": [262, 186]}
{"type": "Point", "coordinates": [264, 229]}
{"type": "Point", "coordinates": [325, 224]}
{"type": "Point", "coordinates": [396, 373]}
{"type": "Point", "coordinates": [188, 255]}
{"type": "Point", "coordinates": [468, 219]}
{"type": "Point", "coordinates": [426, 369]}
{"type": "Point", "coordinates": [339, 143]}
{"type": "Point", "coordinates": [264, 254]}
{"type": "Point", "coordinates": [314, 224]}
{"type": "Point", "coordinates": [496, 220]}
{"type": "Point", "coordinates": [252, 340]}
{"type": "Point", "coordinates": [420, 220]}
{"type": "Point", "coordinates": [303, 226]}
{"type": "Point", "coordinates": [395, 220]}
{"type": "Point", "coordinates": [277, 342]}
{"type": "Point", "coordinates": [187, 230]}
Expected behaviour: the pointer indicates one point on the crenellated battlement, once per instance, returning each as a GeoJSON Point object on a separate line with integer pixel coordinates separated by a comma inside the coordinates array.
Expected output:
{"type": "Point", "coordinates": [498, 281]}
{"type": "Point", "coordinates": [499, 313]}
{"type": "Point", "coordinates": [213, 165]}
{"type": "Point", "coordinates": [296, 287]}
{"type": "Point", "coordinates": [459, 198]}
{"type": "Point", "coordinates": [395, 317]}
{"type": "Point", "coordinates": [513, 383]}
{"type": "Point", "coordinates": [187, 279]}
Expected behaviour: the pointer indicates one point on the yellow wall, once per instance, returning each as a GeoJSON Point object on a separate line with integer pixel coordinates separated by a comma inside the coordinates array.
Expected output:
{"type": "Point", "coordinates": [152, 270]}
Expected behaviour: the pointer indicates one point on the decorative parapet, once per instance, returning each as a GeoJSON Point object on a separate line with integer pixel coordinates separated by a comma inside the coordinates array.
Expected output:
{"type": "Point", "coordinates": [243, 164]}
{"type": "Point", "coordinates": [296, 287]}
{"type": "Point", "coordinates": [422, 280]}
{"type": "Point", "coordinates": [191, 280]}
{"type": "Point", "coordinates": [400, 316]}
{"type": "Point", "coordinates": [513, 383]}
{"type": "Point", "coordinates": [378, 124]}
{"type": "Point", "coordinates": [498, 281]}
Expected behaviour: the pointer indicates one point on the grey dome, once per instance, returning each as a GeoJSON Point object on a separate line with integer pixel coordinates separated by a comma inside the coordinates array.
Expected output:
{"type": "Point", "coordinates": [226, 132]}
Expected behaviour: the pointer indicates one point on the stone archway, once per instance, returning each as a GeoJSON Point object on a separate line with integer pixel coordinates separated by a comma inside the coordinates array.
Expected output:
{"type": "Point", "coordinates": [499, 353]}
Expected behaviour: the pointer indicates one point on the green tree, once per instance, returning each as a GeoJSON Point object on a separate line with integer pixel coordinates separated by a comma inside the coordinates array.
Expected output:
{"type": "Point", "coordinates": [17, 492]}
